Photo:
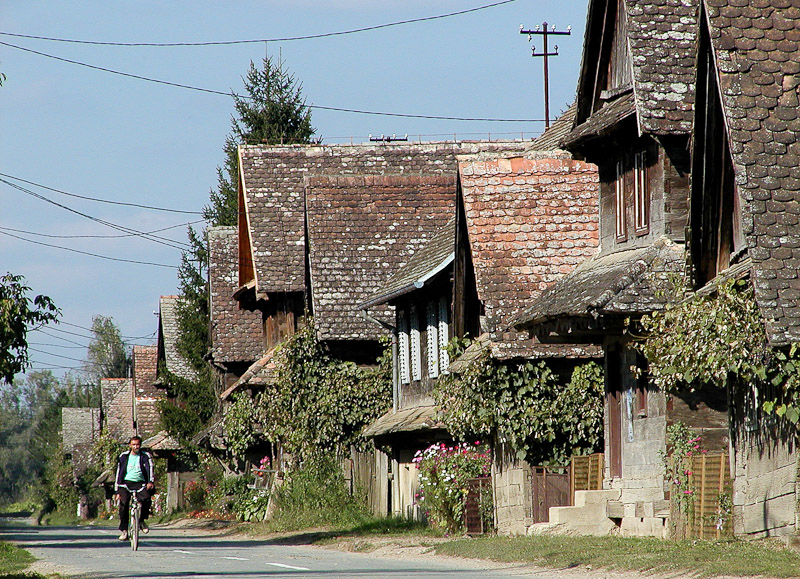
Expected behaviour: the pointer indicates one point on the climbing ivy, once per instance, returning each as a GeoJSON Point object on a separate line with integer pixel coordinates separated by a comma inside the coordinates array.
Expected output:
{"type": "Point", "coordinates": [316, 404]}
{"type": "Point", "coordinates": [526, 406]}
{"type": "Point", "coordinates": [715, 340]}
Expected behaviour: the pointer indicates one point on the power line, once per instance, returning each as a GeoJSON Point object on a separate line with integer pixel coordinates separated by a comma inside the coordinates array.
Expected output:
{"type": "Point", "coordinates": [62, 337]}
{"type": "Point", "coordinates": [154, 238]}
{"type": "Point", "coordinates": [260, 40]}
{"type": "Point", "coordinates": [53, 236]}
{"type": "Point", "coordinates": [247, 97]}
{"type": "Point", "coordinates": [100, 200]}
{"type": "Point", "coordinates": [88, 253]}
{"type": "Point", "coordinates": [150, 335]}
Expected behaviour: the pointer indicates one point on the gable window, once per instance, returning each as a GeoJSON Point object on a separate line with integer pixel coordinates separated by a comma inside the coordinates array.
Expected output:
{"type": "Point", "coordinates": [641, 194]}
{"type": "Point", "coordinates": [403, 353]}
{"type": "Point", "coordinates": [619, 64]}
{"type": "Point", "coordinates": [619, 203]}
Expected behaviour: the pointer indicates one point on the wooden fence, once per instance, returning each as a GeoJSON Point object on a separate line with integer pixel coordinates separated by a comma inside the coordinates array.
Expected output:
{"type": "Point", "coordinates": [710, 483]}
{"type": "Point", "coordinates": [478, 511]}
{"type": "Point", "coordinates": [586, 473]}
{"type": "Point", "coordinates": [551, 488]}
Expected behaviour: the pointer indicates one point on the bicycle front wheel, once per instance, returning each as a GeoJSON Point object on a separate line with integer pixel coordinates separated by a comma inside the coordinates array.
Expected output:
{"type": "Point", "coordinates": [134, 528]}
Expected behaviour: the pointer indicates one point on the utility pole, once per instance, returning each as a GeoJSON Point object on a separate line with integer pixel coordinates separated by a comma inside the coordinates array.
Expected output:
{"type": "Point", "coordinates": [544, 33]}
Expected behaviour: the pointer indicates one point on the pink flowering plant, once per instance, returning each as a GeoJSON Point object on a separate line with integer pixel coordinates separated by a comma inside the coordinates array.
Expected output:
{"type": "Point", "coordinates": [443, 474]}
{"type": "Point", "coordinates": [684, 444]}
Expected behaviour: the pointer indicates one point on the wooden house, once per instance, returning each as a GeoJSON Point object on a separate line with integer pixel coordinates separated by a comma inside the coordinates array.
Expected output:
{"type": "Point", "coordinates": [745, 201]}
{"type": "Point", "coordinates": [522, 220]}
{"type": "Point", "coordinates": [319, 227]}
{"type": "Point", "coordinates": [237, 339]}
{"type": "Point", "coordinates": [634, 120]}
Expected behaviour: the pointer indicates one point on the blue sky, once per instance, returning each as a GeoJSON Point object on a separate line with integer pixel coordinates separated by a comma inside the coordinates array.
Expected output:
{"type": "Point", "coordinates": [97, 134]}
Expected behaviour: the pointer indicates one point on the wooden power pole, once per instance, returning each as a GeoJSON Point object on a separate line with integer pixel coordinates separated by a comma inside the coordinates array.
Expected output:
{"type": "Point", "coordinates": [544, 33]}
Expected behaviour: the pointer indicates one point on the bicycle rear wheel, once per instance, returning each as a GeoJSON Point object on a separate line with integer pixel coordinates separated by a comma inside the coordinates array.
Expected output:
{"type": "Point", "coordinates": [133, 533]}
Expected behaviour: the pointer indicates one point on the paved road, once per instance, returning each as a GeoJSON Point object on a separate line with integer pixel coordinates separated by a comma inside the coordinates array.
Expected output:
{"type": "Point", "coordinates": [92, 552]}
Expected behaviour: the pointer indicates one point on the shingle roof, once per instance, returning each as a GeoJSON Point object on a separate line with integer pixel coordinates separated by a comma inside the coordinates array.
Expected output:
{"type": "Point", "coordinates": [662, 37]}
{"type": "Point", "coordinates": [360, 228]}
{"type": "Point", "coordinates": [555, 134]}
{"type": "Point", "coordinates": [626, 282]}
{"type": "Point", "coordinates": [273, 185]}
{"type": "Point", "coordinates": [662, 41]}
{"type": "Point", "coordinates": [235, 333]}
{"type": "Point", "coordinates": [79, 426]}
{"type": "Point", "coordinates": [603, 120]}
{"type": "Point", "coordinates": [756, 45]}
{"type": "Point", "coordinates": [529, 222]}
{"type": "Point", "coordinates": [148, 417]}
{"type": "Point", "coordinates": [422, 267]}
{"type": "Point", "coordinates": [117, 403]}
{"type": "Point", "coordinates": [145, 364]}
{"type": "Point", "coordinates": [168, 336]}
{"type": "Point", "coordinates": [419, 418]}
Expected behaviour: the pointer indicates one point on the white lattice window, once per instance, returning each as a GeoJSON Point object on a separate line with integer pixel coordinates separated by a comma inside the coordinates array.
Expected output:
{"type": "Point", "coordinates": [641, 200]}
{"type": "Point", "coordinates": [431, 338]}
{"type": "Point", "coordinates": [443, 334]}
{"type": "Point", "coordinates": [414, 347]}
{"type": "Point", "coordinates": [619, 202]}
{"type": "Point", "coordinates": [403, 347]}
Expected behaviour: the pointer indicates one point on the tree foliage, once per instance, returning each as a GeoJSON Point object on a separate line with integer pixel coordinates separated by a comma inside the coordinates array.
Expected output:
{"type": "Point", "coordinates": [719, 339]}
{"type": "Point", "coordinates": [30, 431]}
{"type": "Point", "coordinates": [526, 406]}
{"type": "Point", "coordinates": [107, 355]}
{"type": "Point", "coordinates": [316, 403]}
{"type": "Point", "coordinates": [18, 314]}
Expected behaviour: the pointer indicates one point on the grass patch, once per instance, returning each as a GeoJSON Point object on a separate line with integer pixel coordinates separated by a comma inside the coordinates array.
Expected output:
{"type": "Point", "coordinates": [701, 558]}
{"type": "Point", "coordinates": [13, 559]}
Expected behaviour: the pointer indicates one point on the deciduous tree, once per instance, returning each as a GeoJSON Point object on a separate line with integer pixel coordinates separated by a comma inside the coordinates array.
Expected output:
{"type": "Point", "coordinates": [18, 315]}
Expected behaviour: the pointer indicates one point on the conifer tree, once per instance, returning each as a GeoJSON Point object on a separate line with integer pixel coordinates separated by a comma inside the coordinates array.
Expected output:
{"type": "Point", "coordinates": [272, 112]}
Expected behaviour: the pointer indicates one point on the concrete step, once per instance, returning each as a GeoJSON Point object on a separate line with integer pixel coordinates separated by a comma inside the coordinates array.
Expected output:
{"type": "Point", "coordinates": [583, 498]}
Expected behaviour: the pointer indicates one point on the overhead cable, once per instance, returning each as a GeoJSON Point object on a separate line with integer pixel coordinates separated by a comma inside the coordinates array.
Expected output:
{"type": "Point", "coordinates": [155, 238]}
{"type": "Point", "coordinates": [54, 236]}
{"type": "Point", "coordinates": [259, 40]}
{"type": "Point", "coordinates": [247, 97]}
{"type": "Point", "coordinates": [89, 253]}
{"type": "Point", "coordinates": [100, 200]}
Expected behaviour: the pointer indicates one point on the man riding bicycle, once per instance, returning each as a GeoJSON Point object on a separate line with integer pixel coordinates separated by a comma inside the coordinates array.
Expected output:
{"type": "Point", "coordinates": [134, 473]}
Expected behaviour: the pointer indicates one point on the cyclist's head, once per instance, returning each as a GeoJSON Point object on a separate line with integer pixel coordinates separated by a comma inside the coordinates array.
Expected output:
{"type": "Point", "coordinates": [135, 443]}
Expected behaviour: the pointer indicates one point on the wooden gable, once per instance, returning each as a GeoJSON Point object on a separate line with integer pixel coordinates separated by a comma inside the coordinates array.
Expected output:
{"type": "Point", "coordinates": [605, 68]}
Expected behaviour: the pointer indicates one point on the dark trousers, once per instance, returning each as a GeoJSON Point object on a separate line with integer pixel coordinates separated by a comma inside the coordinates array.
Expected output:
{"type": "Point", "coordinates": [125, 501]}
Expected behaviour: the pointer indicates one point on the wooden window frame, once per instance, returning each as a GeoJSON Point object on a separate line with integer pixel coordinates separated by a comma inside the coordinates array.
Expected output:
{"type": "Point", "coordinates": [641, 194]}
{"type": "Point", "coordinates": [620, 223]}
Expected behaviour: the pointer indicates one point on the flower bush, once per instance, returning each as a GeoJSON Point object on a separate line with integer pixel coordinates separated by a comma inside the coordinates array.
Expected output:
{"type": "Point", "coordinates": [684, 444]}
{"type": "Point", "coordinates": [443, 475]}
{"type": "Point", "coordinates": [194, 495]}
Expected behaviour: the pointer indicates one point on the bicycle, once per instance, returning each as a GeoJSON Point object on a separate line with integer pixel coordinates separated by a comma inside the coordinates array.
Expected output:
{"type": "Point", "coordinates": [134, 518]}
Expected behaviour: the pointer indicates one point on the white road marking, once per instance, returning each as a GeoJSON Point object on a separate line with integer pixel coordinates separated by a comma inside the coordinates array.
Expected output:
{"type": "Point", "coordinates": [289, 567]}
{"type": "Point", "coordinates": [235, 558]}
{"type": "Point", "coordinates": [184, 552]}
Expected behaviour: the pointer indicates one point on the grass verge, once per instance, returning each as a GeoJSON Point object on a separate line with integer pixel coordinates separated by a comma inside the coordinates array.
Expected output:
{"type": "Point", "coordinates": [14, 561]}
{"type": "Point", "coordinates": [648, 555]}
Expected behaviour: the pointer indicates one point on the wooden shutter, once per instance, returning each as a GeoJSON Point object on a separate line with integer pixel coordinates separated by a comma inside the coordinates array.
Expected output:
{"type": "Point", "coordinates": [432, 337]}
